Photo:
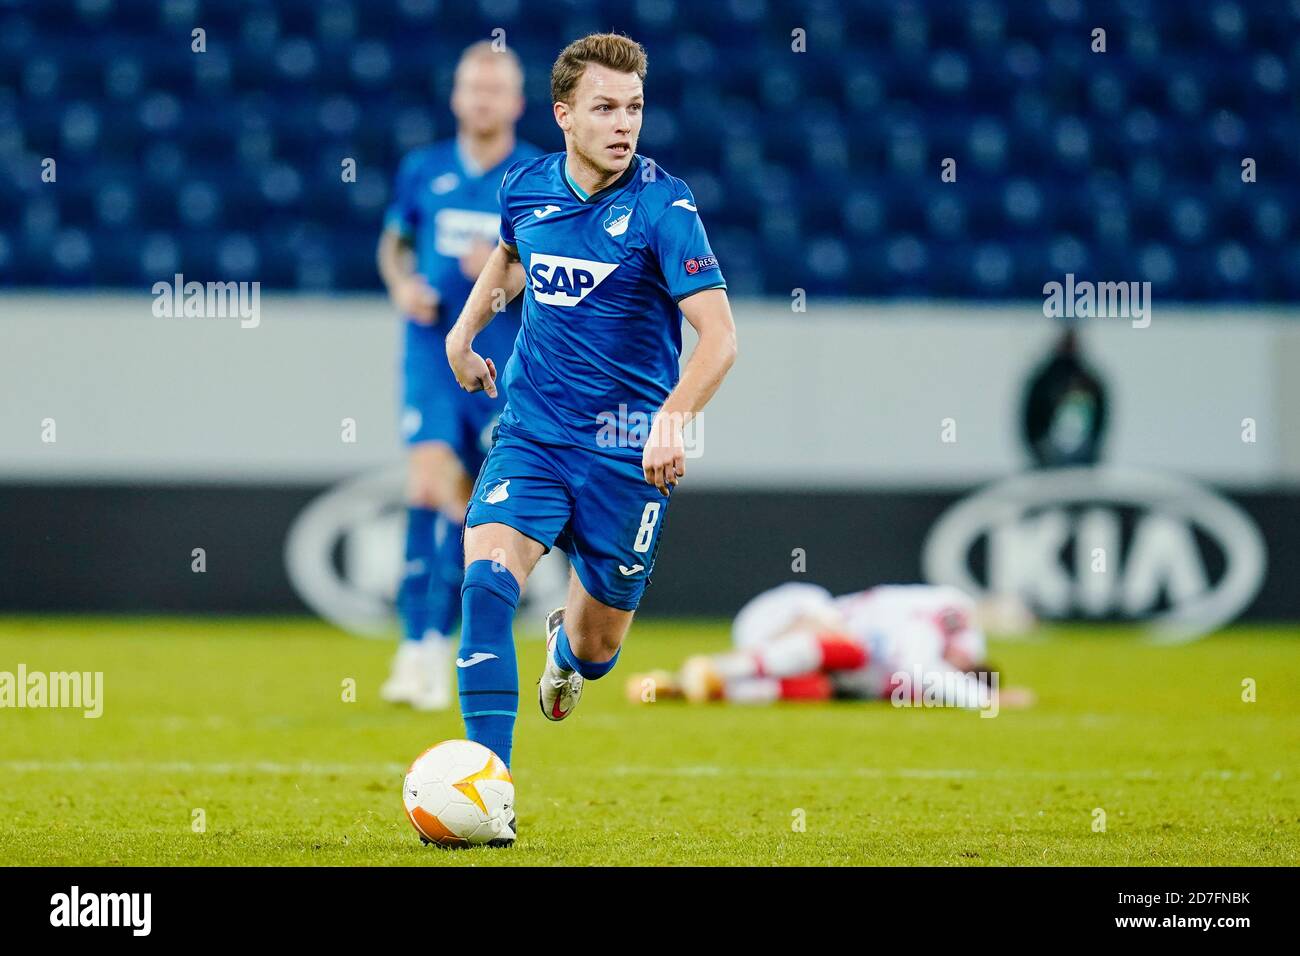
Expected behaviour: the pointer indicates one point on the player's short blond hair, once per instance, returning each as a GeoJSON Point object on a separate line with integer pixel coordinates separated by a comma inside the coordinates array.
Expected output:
{"type": "Point", "coordinates": [487, 49]}
{"type": "Point", "coordinates": [619, 53]}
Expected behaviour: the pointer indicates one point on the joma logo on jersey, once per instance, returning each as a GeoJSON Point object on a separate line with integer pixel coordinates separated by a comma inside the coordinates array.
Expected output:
{"type": "Point", "coordinates": [560, 280]}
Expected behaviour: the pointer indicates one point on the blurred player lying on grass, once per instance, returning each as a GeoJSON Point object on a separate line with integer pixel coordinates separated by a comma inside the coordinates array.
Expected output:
{"type": "Point", "coordinates": [910, 643]}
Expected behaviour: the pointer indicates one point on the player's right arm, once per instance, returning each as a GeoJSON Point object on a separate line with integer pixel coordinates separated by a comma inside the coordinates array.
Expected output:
{"type": "Point", "coordinates": [500, 281]}
{"type": "Point", "coordinates": [409, 291]}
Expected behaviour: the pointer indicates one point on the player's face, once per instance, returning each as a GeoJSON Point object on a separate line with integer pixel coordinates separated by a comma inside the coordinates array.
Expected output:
{"type": "Point", "coordinates": [604, 121]}
{"type": "Point", "coordinates": [487, 97]}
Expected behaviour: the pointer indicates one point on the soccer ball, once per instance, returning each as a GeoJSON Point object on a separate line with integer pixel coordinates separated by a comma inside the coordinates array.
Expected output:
{"type": "Point", "coordinates": [459, 793]}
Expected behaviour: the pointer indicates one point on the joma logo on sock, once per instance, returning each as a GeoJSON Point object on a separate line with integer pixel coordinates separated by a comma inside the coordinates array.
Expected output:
{"type": "Point", "coordinates": [103, 909]}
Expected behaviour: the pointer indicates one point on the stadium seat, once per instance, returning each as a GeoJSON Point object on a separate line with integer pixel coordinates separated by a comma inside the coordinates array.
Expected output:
{"type": "Point", "coordinates": [813, 160]}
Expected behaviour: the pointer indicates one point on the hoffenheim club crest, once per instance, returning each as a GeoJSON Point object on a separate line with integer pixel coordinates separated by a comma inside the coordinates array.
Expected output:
{"type": "Point", "coordinates": [616, 222]}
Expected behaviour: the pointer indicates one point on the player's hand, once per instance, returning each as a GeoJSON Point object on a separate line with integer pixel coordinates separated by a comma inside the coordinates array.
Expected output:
{"type": "Point", "coordinates": [414, 296]}
{"type": "Point", "coordinates": [664, 459]}
{"type": "Point", "coordinates": [474, 373]}
{"type": "Point", "coordinates": [473, 261]}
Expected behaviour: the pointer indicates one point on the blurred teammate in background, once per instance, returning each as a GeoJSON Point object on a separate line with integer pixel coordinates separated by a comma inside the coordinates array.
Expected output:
{"type": "Point", "coordinates": [797, 642]}
{"type": "Point", "coordinates": [438, 233]}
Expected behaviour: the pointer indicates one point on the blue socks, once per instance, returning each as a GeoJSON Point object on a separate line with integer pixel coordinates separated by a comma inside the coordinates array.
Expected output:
{"type": "Point", "coordinates": [445, 578]}
{"type": "Point", "coordinates": [489, 676]}
{"type": "Point", "coordinates": [486, 667]}
{"type": "Point", "coordinates": [413, 596]}
{"type": "Point", "coordinates": [590, 670]}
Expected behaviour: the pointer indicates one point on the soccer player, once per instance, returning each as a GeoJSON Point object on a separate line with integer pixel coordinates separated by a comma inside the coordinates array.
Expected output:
{"type": "Point", "coordinates": [611, 254]}
{"type": "Point", "coordinates": [797, 642]}
{"type": "Point", "coordinates": [439, 231]}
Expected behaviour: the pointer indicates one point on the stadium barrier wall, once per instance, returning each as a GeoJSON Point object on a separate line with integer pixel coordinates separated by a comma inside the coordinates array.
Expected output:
{"type": "Point", "coordinates": [845, 395]}
{"type": "Point", "coordinates": [823, 459]}
{"type": "Point", "coordinates": [132, 548]}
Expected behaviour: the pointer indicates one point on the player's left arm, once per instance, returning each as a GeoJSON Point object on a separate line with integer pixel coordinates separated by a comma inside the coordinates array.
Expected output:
{"type": "Point", "coordinates": [709, 312]}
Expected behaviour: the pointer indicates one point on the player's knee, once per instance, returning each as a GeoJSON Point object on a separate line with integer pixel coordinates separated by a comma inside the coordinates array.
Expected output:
{"type": "Point", "coordinates": [504, 547]}
{"type": "Point", "coordinates": [435, 479]}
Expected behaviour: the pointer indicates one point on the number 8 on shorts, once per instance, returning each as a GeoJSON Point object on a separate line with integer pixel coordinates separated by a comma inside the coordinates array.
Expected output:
{"type": "Point", "coordinates": [645, 533]}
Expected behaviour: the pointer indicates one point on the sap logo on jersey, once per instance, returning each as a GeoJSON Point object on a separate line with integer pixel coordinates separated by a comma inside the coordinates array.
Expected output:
{"type": "Point", "coordinates": [560, 280]}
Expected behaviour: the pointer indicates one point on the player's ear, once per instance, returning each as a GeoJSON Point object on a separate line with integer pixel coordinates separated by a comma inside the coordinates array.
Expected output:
{"type": "Point", "coordinates": [561, 111]}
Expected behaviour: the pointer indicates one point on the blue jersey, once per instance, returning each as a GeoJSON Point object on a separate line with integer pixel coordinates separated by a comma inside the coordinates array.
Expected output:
{"type": "Point", "coordinates": [441, 206]}
{"type": "Point", "coordinates": [601, 341]}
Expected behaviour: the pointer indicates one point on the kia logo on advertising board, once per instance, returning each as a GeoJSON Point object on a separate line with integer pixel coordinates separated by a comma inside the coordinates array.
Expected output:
{"type": "Point", "coordinates": [344, 554]}
{"type": "Point", "coordinates": [1104, 543]}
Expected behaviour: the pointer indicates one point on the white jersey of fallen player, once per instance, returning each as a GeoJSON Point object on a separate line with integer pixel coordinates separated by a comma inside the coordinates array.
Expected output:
{"type": "Point", "coordinates": [777, 610]}
{"type": "Point", "coordinates": [902, 627]}
{"type": "Point", "coordinates": [907, 628]}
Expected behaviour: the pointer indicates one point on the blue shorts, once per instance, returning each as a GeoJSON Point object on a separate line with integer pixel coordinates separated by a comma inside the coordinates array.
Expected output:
{"type": "Point", "coordinates": [597, 509]}
{"type": "Point", "coordinates": [436, 408]}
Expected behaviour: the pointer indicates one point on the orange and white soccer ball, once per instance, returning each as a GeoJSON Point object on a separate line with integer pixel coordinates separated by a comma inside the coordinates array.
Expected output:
{"type": "Point", "coordinates": [459, 793]}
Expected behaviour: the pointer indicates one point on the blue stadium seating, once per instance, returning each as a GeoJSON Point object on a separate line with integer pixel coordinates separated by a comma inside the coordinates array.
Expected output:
{"type": "Point", "coordinates": [816, 170]}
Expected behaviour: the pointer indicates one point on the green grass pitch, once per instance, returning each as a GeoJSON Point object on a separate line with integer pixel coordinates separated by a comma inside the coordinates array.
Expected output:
{"type": "Point", "coordinates": [244, 719]}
